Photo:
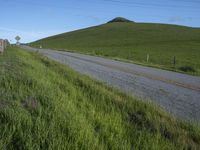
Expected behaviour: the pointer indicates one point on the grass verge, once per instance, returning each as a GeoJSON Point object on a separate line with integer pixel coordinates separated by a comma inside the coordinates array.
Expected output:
{"type": "Point", "coordinates": [46, 105]}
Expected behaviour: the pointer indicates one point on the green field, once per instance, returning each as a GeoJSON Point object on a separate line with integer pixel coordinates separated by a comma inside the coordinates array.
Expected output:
{"type": "Point", "coordinates": [132, 42]}
{"type": "Point", "coordinates": [46, 105]}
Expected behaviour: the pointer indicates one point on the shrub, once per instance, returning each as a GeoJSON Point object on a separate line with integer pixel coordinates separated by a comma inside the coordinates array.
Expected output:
{"type": "Point", "coordinates": [187, 69]}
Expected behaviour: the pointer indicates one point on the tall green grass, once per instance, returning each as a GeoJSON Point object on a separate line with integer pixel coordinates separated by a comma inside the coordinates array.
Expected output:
{"type": "Point", "coordinates": [46, 105]}
{"type": "Point", "coordinates": [133, 42]}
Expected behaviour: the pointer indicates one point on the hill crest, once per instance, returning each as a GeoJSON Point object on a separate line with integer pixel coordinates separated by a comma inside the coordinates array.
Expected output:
{"type": "Point", "coordinates": [119, 19]}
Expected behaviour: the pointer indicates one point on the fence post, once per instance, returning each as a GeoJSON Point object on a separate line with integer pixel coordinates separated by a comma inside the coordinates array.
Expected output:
{"type": "Point", "coordinates": [147, 57]}
{"type": "Point", "coordinates": [1, 46]}
{"type": "Point", "coordinates": [174, 61]}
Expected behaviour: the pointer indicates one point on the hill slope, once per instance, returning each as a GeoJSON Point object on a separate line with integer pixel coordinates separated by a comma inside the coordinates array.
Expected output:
{"type": "Point", "coordinates": [45, 105]}
{"type": "Point", "coordinates": [133, 41]}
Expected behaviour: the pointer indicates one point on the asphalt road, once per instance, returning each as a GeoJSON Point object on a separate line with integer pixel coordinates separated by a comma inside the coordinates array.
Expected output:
{"type": "Point", "coordinates": [177, 93]}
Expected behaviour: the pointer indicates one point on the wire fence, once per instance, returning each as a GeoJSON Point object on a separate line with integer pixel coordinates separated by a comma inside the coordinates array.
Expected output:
{"type": "Point", "coordinates": [173, 62]}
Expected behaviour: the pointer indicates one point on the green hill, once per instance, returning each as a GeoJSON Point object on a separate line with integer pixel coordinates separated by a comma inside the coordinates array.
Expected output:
{"type": "Point", "coordinates": [45, 105]}
{"type": "Point", "coordinates": [133, 41]}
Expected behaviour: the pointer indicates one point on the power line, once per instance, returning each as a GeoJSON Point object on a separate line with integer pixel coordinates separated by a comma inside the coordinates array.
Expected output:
{"type": "Point", "coordinates": [118, 2]}
{"type": "Point", "coordinates": [48, 5]}
{"type": "Point", "coordinates": [146, 5]}
{"type": "Point", "coordinates": [149, 4]}
{"type": "Point", "coordinates": [186, 1]}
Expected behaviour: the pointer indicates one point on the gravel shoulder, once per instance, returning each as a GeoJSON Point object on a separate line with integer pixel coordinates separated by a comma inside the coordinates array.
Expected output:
{"type": "Point", "coordinates": [177, 93]}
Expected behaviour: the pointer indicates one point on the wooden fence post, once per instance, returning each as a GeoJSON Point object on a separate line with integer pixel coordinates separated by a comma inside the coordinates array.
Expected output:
{"type": "Point", "coordinates": [174, 61]}
{"type": "Point", "coordinates": [147, 57]}
{"type": "Point", "coordinates": [1, 46]}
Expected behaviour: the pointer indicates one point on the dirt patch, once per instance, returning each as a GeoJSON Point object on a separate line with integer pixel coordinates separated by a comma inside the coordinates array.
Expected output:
{"type": "Point", "coordinates": [4, 104]}
{"type": "Point", "coordinates": [167, 134]}
{"type": "Point", "coordinates": [140, 119]}
{"type": "Point", "coordinates": [30, 103]}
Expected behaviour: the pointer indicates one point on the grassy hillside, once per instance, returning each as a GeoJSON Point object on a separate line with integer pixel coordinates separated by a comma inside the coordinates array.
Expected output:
{"type": "Point", "coordinates": [45, 105]}
{"type": "Point", "coordinates": [133, 41]}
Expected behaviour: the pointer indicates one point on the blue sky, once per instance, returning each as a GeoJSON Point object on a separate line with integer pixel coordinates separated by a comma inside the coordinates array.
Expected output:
{"type": "Point", "coordinates": [35, 19]}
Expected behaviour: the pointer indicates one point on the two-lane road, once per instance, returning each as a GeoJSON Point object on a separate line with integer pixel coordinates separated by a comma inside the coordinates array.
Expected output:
{"type": "Point", "coordinates": [177, 93]}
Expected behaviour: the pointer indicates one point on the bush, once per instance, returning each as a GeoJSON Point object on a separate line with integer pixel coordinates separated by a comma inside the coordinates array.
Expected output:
{"type": "Point", "coordinates": [187, 69]}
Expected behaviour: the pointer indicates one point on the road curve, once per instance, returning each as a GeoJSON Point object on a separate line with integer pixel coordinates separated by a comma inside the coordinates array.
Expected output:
{"type": "Point", "coordinates": [177, 93]}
